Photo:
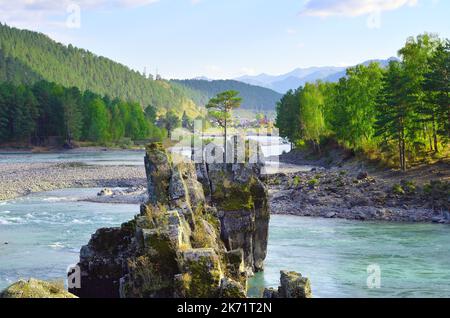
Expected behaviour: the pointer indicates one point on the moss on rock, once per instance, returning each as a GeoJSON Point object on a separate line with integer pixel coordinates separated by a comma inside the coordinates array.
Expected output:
{"type": "Point", "coordinates": [34, 288]}
{"type": "Point", "coordinates": [202, 273]}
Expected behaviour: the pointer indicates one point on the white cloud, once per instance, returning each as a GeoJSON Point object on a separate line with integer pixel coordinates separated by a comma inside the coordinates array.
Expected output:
{"type": "Point", "coordinates": [38, 13]}
{"type": "Point", "coordinates": [352, 8]}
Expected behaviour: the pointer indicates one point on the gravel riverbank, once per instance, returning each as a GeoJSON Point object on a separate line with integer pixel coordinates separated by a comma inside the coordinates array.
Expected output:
{"type": "Point", "coordinates": [19, 179]}
{"type": "Point", "coordinates": [340, 193]}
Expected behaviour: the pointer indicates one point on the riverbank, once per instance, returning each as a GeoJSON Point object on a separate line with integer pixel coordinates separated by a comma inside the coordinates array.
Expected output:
{"type": "Point", "coordinates": [77, 150]}
{"type": "Point", "coordinates": [348, 188]}
{"type": "Point", "coordinates": [19, 179]}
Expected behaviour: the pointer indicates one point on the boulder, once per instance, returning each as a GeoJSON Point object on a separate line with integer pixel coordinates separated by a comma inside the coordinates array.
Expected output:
{"type": "Point", "coordinates": [292, 285]}
{"type": "Point", "coordinates": [105, 192]}
{"type": "Point", "coordinates": [362, 175]}
{"type": "Point", "coordinates": [34, 288]}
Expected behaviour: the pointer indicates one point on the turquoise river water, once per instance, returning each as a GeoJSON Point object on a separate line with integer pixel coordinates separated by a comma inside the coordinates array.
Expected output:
{"type": "Point", "coordinates": [44, 233]}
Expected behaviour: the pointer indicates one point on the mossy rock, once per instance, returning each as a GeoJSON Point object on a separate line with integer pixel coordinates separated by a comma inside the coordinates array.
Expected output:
{"type": "Point", "coordinates": [160, 247]}
{"type": "Point", "coordinates": [34, 288]}
{"type": "Point", "coordinates": [202, 273]}
{"type": "Point", "coordinates": [232, 289]}
{"type": "Point", "coordinates": [236, 266]}
{"type": "Point", "coordinates": [159, 170]}
{"type": "Point", "coordinates": [154, 146]}
{"type": "Point", "coordinates": [145, 280]}
{"type": "Point", "coordinates": [204, 235]}
{"type": "Point", "coordinates": [110, 240]}
{"type": "Point", "coordinates": [294, 285]}
{"type": "Point", "coordinates": [234, 196]}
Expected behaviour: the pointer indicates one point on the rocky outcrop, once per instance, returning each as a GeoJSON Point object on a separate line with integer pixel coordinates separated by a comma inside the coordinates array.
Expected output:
{"type": "Point", "coordinates": [243, 210]}
{"type": "Point", "coordinates": [241, 199]}
{"type": "Point", "coordinates": [34, 288]}
{"type": "Point", "coordinates": [183, 243]}
{"type": "Point", "coordinates": [292, 285]}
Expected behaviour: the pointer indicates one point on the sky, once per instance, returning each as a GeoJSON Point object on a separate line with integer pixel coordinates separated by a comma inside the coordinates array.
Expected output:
{"type": "Point", "coordinates": [230, 38]}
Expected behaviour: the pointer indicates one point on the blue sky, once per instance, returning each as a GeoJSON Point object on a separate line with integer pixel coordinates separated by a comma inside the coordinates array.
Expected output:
{"type": "Point", "coordinates": [229, 38]}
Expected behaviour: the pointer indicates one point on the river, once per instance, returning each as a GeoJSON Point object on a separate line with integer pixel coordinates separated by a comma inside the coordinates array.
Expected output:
{"type": "Point", "coordinates": [45, 231]}
{"type": "Point", "coordinates": [41, 235]}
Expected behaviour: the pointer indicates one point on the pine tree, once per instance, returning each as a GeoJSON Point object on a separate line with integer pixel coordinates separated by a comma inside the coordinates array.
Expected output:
{"type": "Point", "coordinates": [437, 90]}
{"type": "Point", "coordinates": [394, 110]}
{"type": "Point", "coordinates": [220, 109]}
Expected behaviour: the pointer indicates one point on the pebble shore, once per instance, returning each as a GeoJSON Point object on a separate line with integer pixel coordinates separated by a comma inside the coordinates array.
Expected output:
{"type": "Point", "coordinates": [342, 194]}
{"type": "Point", "coordinates": [19, 179]}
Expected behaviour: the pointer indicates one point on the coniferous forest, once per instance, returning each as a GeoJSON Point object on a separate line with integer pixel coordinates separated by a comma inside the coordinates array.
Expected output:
{"type": "Point", "coordinates": [52, 90]}
{"type": "Point", "coordinates": [33, 113]}
{"type": "Point", "coordinates": [396, 114]}
{"type": "Point", "coordinates": [27, 56]}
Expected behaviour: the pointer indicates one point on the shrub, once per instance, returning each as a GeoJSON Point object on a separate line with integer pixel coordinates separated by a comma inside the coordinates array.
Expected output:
{"type": "Point", "coordinates": [397, 189]}
{"type": "Point", "coordinates": [409, 186]}
{"type": "Point", "coordinates": [296, 181]}
{"type": "Point", "coordinates": [313, 182]}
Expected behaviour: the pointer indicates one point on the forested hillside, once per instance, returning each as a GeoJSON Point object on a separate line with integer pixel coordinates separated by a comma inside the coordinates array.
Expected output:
{"type": "Point", "coordinates": [32, 114]}
{"type": "Point", "coordinates": [254, 97]}
{"type": "Point", "coordinates": [398, 114]}
{"type": "Point", "coordinates": [26, 57]}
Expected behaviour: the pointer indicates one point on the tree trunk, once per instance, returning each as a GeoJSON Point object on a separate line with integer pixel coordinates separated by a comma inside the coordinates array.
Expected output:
{"type": "Point", "coordinates": [225, 140]}
{"type": "Point", "coordinates": [400, 152]}
{"type": "Point", "coordinates": [435, 139]}
{"type": "Point", "coordinates": [404, 153]}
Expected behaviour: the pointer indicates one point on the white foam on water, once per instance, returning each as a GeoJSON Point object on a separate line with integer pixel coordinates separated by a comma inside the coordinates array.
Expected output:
{"type": "Point", "coordinates": [76, 221]}
{"type": "Point", "coordinates": [4, 222]}
{"type": "Point", "coordinates": [57, 245]}
{"type": "Point", "coordinates": [58, 199]}
{"type": "Point", "coordinates": [11, 220]}
{"type": "Point", "coordinates": [5, 212]}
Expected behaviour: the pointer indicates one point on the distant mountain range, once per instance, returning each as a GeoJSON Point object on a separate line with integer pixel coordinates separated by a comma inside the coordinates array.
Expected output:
{"type": "Point", "coordinates": [298, 77]}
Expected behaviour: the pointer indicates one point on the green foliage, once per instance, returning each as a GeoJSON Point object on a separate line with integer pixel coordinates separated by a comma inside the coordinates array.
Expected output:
{"type": "Point", "coordinates": [409, 186]}
{"type": "Point", "coordinates": [394, 112]}
{"type": "Point", "coordinates": [220, 108]}
{"type": "Point", "coordinates": [187, 122]}
{"type": "Point", "coordinates": [288, 116]}
{"type": "Point", "coordinates": [437, 90]}
{"type": "Point", "coordinates": [151, 113]}
{"type": "Point", "coordinates": [32, 114]}
{"type": "Point", "coordinates": [296, 181]}
{"type": "Point", "coordinates": [353, 105]}
{"type": "Point", "coordinates": [398, 189]}
{"type": "Point", "coordinates": [312, 123]}
{"type": "Point", "coordinates": [27, 57]}
{"type": "Point", "coordinates": [313, 183]}
{"type": "Point", "coordinates": [169, 122]}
